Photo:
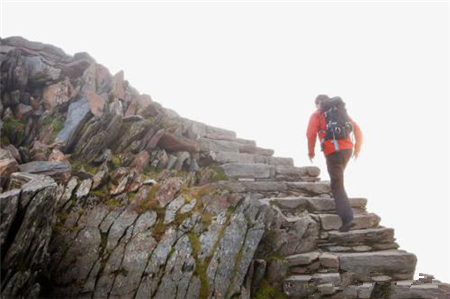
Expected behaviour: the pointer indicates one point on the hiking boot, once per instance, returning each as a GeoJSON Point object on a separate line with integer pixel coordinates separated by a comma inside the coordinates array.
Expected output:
{"type": "Point", "coordinates": [347, 226]}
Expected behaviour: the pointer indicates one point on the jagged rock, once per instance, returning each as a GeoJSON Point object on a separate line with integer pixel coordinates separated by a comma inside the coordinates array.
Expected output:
{"type": "Point", "coordinates": [32, 211]}
{"type": "Point", "coordinates": [58, 156]}
{"type": "Point", "coordinates": [172, 209]}
{"type": "Point", "coordinates": [167, 190]}
{"type": "Point", "coordinates": [141, 161]}
{"type": "Point", "coordinates": [84, 188]}
{"type": "Point", "coordinates": [182, 157]}
{"type": "Point", "coordinates": [135, 131]}
{"type": "Point", "coordinates": [7, 167]}
{"type": "Point", "coordinates": [57, 170]}
{"type": "Point", "coordinates": [119, 85]}
{"type": "Point", "coordinates": [116, 107]}
{"type": "Point", "coordinates": [77, 115]}
{"type": "Point", "coordinates": [96, 103]}
{"type": "Point", "coordinates": [173, 143]}
{"type": "Point", "coordinates": [14, 152]}
{"type": "Point", "coordinates": [6, 154]}
{"type": "Point", "coordinates": [171, 161]}
{"type": "Point", "coordinates": [56, 94]}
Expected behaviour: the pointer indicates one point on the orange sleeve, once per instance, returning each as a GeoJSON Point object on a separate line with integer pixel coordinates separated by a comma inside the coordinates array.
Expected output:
{"type": "Point", "coordinates": [311, 133]}
{"type": "Point", "coordinates": [358, 136]}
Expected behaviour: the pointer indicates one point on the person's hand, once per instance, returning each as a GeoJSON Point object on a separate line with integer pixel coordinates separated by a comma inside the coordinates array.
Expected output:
{"type": "Point", "coordinates": [355, 155]}
{"type": "Point", "coordinates": [311, 157]}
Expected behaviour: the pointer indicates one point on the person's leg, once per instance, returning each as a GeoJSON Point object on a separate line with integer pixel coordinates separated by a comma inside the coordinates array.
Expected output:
{"type": "Point", "coordinates": [336, 163]}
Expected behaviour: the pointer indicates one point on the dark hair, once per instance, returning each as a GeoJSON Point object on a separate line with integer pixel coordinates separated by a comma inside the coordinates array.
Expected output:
{"type": "Point", "coordinates": [320, 98]}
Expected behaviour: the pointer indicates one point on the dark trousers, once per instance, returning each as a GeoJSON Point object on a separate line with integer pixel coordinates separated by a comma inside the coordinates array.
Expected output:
{"type": "Point", "coordinates": [336, 163]}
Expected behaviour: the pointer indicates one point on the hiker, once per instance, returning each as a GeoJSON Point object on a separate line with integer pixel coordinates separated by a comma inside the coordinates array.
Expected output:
{"type": "Point", "coordinates": [337, 145]}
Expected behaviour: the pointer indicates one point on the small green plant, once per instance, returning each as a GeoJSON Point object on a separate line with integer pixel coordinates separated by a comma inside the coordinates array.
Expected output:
{"type": "Point", "coordinates": [115, 162]}
{"type": "Point", "coordinates": [112, 203]}
{"type": "Point", "coordinates": [267, 291]}
{"type": "Point", "coordinates": [200, 267]}
{"type": "Point", "coordinates": [220, 174]}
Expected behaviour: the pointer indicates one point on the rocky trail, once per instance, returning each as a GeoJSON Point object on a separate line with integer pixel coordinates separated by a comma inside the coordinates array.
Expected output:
{"type": "Point", "coordinates": [108, 194]}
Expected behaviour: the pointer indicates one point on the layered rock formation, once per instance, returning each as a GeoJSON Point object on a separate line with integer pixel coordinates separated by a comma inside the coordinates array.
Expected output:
{"type": "Point", "coordinates": [107, 194]}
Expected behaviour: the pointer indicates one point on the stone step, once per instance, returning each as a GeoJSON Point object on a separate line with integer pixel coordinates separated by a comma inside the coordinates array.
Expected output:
{"type": "Point", "coordinates": [317, 205]}
{"type": "Point", "coordinates": [292, 173]}
{"type": "Point", "coordinates": [415, 289]}
{"type": "Point", "coordinates": [370, 236]}
{"type": "Point", "coordinates": [310, 188]}
{"type": "Point", "coordinates": [233, 157]}
{"type": "Point", "coordinates": [269, 171]}
{"type": "Point", "coordinates": [231, 145]}
{"type": "Point", "coordinates": [363, 221]}
{"type": "Point", "coordinates": [336, 248]}
{"type": "Point", "coordinates": [370, 266]}
{"type": "Point", "coordinates": [244, 170]}
{"type": "Point", "coordinates": [304, 285]}
{"type": "Point", "coordinates": [251, 186]}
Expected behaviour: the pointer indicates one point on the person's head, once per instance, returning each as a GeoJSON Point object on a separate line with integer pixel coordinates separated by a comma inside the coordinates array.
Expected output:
{"type": "Point", "coordinates": [320, 98]}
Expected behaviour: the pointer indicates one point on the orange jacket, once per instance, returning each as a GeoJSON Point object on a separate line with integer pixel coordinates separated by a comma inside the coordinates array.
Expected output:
{"type": "Point", "coordinates": [317, 126]}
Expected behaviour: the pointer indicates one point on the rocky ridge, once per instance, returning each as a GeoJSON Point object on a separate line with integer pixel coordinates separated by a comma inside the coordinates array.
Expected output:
{"type": "Point", "coordinates": [108, 194]}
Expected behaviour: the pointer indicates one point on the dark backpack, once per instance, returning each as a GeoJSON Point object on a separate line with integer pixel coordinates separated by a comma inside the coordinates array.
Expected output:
{"type": "Point", "coordinates": [338, 121]}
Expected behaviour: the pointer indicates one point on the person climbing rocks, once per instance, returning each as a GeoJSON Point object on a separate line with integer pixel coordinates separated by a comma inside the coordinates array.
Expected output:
{"type": "Point", "coordinates": [331, 123]}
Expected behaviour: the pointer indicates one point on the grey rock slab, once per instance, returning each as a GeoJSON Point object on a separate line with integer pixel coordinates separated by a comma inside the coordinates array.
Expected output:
{"type": "Point", "coordinates": [367, 236]}
{"type": "Point", "coordinates": [302, 258]}
{"type": "Point", "coordinates": [222, 263]}
{"type": "Point", "coordinates": [245, 170]}
{"type": "Point", "coordinates": [29, 244]}
{"type": "Point", "coordinates": [9, 202]}
{"type": "Point", "coordinates": [84, 188]}
{"type": "Point", "coordinates": [377, 263]}
{"type": "Point", "coordinates": [301, 234]}
{"type": "Point", "coordinates": [45, 168]}
{"type": "Point", "coordinates": [75, 116]}
{"type": "Point", "coordinates": [172, 209]}
{"type": "Point", "coordinates": [149, 283]}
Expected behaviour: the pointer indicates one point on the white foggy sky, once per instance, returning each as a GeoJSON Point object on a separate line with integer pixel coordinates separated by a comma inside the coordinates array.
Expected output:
{"type": "Point", "coordinates": [255, 68]}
